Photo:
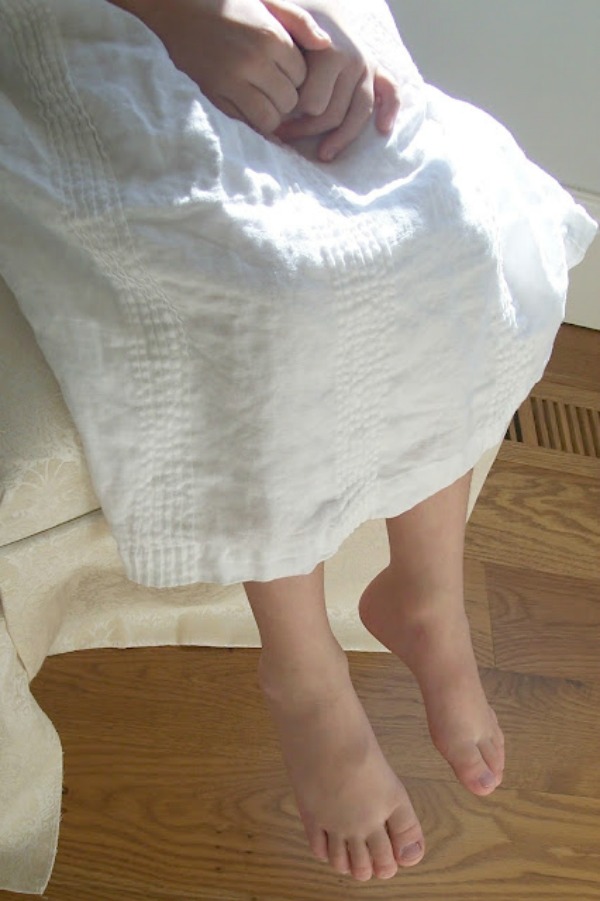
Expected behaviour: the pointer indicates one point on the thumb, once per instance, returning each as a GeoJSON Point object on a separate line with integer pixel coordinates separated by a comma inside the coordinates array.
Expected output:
{"type": "Point", "coordinates": [299, 24]}
{"type": "Point", "coordinates": [387, 100]}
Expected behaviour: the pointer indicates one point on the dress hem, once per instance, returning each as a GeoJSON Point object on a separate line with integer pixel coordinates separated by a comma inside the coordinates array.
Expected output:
{"type": "Point", "coordinates": [172, 567]}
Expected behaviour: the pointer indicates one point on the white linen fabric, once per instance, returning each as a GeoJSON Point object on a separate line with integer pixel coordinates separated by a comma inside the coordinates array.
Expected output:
{"type": "Point", "coordinates": [213, 303]}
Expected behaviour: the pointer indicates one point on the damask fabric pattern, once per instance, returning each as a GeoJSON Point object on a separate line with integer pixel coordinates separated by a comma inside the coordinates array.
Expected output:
{"type": "Point", "coordinates": [221, 300]}
{"type": "Point", "coordinates": [65, 590]}
{"type": "Point", "coordinates": [44, 480]}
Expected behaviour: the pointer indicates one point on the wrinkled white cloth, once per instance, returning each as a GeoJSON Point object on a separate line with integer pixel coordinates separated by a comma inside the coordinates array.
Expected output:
{"type": "Point", "coordinates": [262, 351]}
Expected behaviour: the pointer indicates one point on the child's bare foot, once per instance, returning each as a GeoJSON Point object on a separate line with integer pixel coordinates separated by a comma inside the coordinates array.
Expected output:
{"type": "Point", "coordinates": [432, 638]}
{"type": "Point", "coordinates": [355, 811]}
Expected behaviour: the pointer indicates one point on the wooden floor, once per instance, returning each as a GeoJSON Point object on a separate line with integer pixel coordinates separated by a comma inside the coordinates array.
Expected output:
{"type": "Point", "coordinates": [172, 793]}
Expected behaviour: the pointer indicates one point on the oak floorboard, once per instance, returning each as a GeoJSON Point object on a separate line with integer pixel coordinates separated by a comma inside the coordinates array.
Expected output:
{"type": "Point", "coordinates": [543, 458]}
{"type": "Point", "coordinates": [552, 729]}
{"type": "Point", "coordinates": [575, 359]}
{"type": "Point", "coordinates": [75, 892]}
{"type": "Point", "coordinates": [545, 624]}
{"type": "Point", "coordinates": [165, 782]}
{"type": "Point", "coordinates": [515, 844]}
{"type": "Point", "coordinates": [100, 892]}
{"type": "Point", "coordinates": [157, 712]}
{"type": "Point", "coordinates": [478, 611]}
{"type": "Point", "coordinates": [538, 715]}
{"type": "Point", "coordinates": [533, 518]}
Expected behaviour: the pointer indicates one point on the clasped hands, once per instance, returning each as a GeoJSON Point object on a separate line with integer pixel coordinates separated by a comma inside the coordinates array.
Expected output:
{"type": "Point", "coordinates": [269, 64]}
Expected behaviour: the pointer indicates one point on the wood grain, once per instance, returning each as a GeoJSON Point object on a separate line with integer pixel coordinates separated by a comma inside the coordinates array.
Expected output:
{"type": "Point", "coordinates": [538, 715]}
{"type": "Point", "coordinates": [575, 360]}
{"type": "Point", "coordinates": [537, 519]}
{"type": "Point", "coordinates": [165, 789]}
{"type": "Point", "coordinates": [518, 845]}
{"type": "Point", "coordinates": [552, 460]}
{"type": "Point", "coordinates": [478, 611]}
{"type": "Point", "coordinates": [546, 624]}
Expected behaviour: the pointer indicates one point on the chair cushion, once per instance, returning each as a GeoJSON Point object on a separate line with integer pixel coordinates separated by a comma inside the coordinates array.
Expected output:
{"type": "Point", "coordinates": [44, 480]}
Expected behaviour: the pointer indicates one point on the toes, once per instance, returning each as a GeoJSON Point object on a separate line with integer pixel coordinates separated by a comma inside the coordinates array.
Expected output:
{"type": "Point", "coordinates": [472, 769]}
{"type": "Point", "coordinates": [317, 837]}
{"type": "Point", "coordinates": [498, 736]}
{"type": "Point", "coordinates": [360, 859]}
{"type": "Point", "coordinates": [380, 848]}
{"type": "Point", "coordinates": [493, 754]}
{"type": "Point", "coordinates": [338, 854]}
{"type": "Point", "coordinates": [408, 844]}
{"type": "Point", "coordinates": [318, 844]}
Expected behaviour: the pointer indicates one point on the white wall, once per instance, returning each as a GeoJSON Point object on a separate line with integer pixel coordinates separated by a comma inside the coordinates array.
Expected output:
{"type": "Point", "coordinates": [535, 66]}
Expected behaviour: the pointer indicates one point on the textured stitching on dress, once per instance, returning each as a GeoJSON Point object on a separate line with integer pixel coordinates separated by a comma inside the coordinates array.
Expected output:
{"type": "Point", "coordinates": [380, 504]}
{"type": "Point", "coordinates": [359, 425]}
{"type": "Point", "coordinates": [28, 21]}
{"type": "Point", "coordinates": [90, 191]}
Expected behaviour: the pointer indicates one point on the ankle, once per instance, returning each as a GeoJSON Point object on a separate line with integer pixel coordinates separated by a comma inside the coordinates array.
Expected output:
{"type": "Point", "coordinates": [285, 679]}
{"type": "Point", "coordinates": [426, 602]}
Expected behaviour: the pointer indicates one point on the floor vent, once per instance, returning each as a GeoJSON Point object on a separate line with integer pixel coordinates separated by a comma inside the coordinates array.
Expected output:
{"type": "Point", "coordinates": [556, 425]}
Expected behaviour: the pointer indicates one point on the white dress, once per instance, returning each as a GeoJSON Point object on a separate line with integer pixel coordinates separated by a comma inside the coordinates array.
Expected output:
{"type": "Point", "coordinates": [261, 351]}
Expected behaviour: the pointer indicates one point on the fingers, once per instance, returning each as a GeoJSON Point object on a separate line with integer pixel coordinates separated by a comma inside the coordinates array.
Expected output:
{"type": "Point", "coordinates": [264, 92]}
{"type": "Point", "coordinates": [276, 85]}
{"type": "Point", "coordinates": [259, 112]}
{"type": "Point", "coordinates": [229, 108]}
{"type": "Point", "coordinates": [356, 117]}
{"type": "Point", "coordinates": [324, 98]}
{"type": "Point", "coordinates": [240, 53]}
{"type": "Point", "coordinates": [289, 60]}
{"type": "Point", "coordinates": [299, 24]}
{"type": "Point", "coordinates": [338, 98]}
{"type": "Point", "coordinates": [332, 86]}
{"type": "Point", "coordinates": [387, 100]}
{"type": "Point", "coordinates": [349, 110]}
{"type": "Point", "coordinates": [295, 24]}
{"type": "Point", "coordinates": [267, 90]}
{"type": "Point", "coordinates": [316, 93]}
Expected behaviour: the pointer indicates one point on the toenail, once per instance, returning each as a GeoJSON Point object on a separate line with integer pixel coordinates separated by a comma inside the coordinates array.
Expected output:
{"type": "Point", "coordinates": [363, 875]}
{"type": "Point", "coordinates": [411, 852]}
{"type": "Point", "coordinates": [386, 874]}
{"type": "Point", "coordinates": [487, 780]}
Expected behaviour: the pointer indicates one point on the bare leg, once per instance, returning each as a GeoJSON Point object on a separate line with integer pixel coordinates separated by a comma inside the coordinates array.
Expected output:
{"type": "Point", "coordinates": [355, 811]}
{"type": "Point", "coordinates": [415, 607]}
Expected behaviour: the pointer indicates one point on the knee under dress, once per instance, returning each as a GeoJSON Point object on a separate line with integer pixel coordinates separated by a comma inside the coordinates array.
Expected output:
{"type": "Point", "coordinates": [261, 351]}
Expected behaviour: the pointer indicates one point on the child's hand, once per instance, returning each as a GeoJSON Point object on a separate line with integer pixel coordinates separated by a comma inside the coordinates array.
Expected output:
{"type": "Point", "coordinates": [241, 53]}
{"type": "Point", "coordinates": [342, 88]}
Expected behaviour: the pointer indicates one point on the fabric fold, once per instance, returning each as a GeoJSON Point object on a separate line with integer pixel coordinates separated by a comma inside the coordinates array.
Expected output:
{"type": "Point", "coordinates": [31, 780]}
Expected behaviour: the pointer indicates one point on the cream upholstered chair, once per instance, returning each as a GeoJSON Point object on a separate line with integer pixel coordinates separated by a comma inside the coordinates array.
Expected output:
{"type": "Point", "coordinates": [63, 588]}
